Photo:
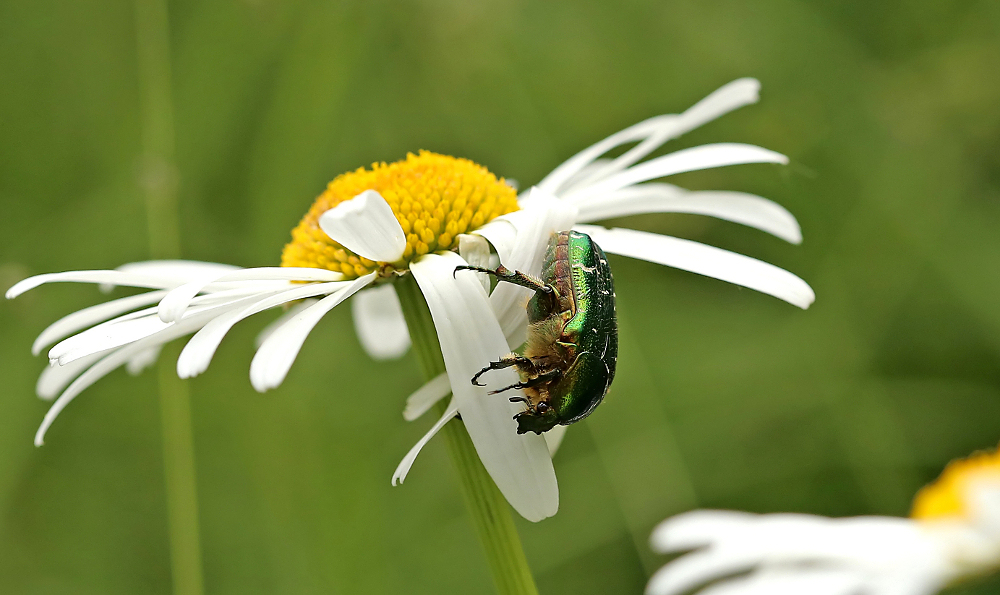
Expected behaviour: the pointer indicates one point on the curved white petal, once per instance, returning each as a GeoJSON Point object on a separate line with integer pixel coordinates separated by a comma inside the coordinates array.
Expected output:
{"type": "Point", "coordinates": [280, 321]}
{"type": "Point", "coordinates": [692, 570]}
{"type": "Point", "coordinates": [654, 132]}
{"type": "Point", "coordinates": [403, 468]}
{"type": "Point", "coordinates": [798, 553]}
{"type": "Point", "coordinates": [81, 319]}
{"type": "Point", "coordinates": [737, 207]}
{"type": "Point", "coordinates": [379, 323]}
{"type": "Point", "coordinates": [685, 160]}
{"type": "Point", "coordinates": [142, 360]}
{"type": "Point", "coordinates": [698, 528]}
{"type": "Point", "coordinates": [554, 438]}
{"type": "Point", "coordinates": [426, 396]}
{"type": "Point", "coordinates": [113, 360]}
{"type": "Point", "coordinates": [704, 260]}
{"type": "Point", "coordinates": [475, 250]}
{"type": "Point", "coordinates": [198, 352]}
{"type": "Point", "coordinates": [470, 337]}
{"type": "Point", "coordinates": [137, 325]}
{"type": "Point", "coordinates": [178, 299]}
{"type": "Point", "coordinates": [109, 277]}
{"type": "Point", "coordinates": [272, 361]}
{"type": "Point", "coordinates": [54, 377]}
{"type": "Point", "coordinates": [541, 215]}
{"type": "Point", "coordinates": [179, 270]}
{"type": "Point", "coordinates": [789, 582]}
{"type": "Point", "coordinates": [105, 336]}
{"type": "Point", "coordinates": [366, 226]}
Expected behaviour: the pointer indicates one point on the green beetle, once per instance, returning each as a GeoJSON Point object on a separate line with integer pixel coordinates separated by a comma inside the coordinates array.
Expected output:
{"type": "Point", "coordinates": [569, 358]}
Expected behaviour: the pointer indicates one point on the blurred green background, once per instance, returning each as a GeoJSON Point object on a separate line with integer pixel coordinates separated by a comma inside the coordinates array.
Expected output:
{"type": "Point", "coordinates": [724, 398]}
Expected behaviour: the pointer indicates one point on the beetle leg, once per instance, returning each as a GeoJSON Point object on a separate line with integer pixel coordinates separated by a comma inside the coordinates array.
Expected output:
{"type": "Point", "coordinates": [542, 378]}
{"type": "Point", "coordinates": [502, 273]}
{"type": "Point", "coordinates": [504, 362]}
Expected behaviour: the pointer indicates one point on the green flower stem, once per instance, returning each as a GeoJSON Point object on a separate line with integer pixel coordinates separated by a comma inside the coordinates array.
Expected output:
{"type": "Point", "coordinates": [487, 506]}
{"type": "Point", "coordinates": [158, 179]}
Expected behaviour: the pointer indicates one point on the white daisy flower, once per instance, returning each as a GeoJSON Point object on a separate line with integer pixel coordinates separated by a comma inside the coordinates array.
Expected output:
{"type": "Point", "coordinates": [953, 533]}
{"type": "Point", "coordinates": [424, 216]}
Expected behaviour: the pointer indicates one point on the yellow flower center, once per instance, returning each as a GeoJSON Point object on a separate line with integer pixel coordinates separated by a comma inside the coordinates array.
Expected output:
{"type": "Point", "coordinates": [945, 497]}
{"type": "Point", "coordinates": [434, 198]}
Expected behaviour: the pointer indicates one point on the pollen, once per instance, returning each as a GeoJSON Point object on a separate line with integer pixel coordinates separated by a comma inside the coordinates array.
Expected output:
{"type": "Point", "coordinates": [946, 496]}
{"type": "Point", "coordinates": [434, 197]}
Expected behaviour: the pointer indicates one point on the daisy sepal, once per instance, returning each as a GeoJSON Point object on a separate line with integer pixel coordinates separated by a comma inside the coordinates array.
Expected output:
{"type": "Point", "coordinates": [703, 260]}
{"type": "Point", "coordinates": [470, 337]}
{"type": "Point", "coordinates": [277, 353]}
{"type": "Point", "coordinates": [738, 207]}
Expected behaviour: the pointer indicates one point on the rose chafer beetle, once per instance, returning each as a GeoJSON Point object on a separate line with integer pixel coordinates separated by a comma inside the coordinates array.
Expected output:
{"type": "Point", "coordinates": [569, 358]}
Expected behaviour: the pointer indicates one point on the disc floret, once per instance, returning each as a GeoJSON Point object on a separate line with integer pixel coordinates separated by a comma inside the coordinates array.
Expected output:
{"type": "Point", "coordinates": [434, 197]}
{"type": "Point", "coordinates": [947, 497]}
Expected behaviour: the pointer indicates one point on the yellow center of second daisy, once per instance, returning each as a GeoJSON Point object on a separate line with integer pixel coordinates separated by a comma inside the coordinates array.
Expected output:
{"type": "Point", "coordinates": [434, 197]}
{"type": "Point", "coordinates": [946, 496]}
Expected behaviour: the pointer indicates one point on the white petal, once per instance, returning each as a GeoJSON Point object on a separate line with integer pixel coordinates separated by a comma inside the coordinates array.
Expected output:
{"type": "Point", "coordinates": [475, 250]}
{"type": "Point", "coordinates": [113, 360]}
{"type": "Point", "coordinates": [738, 207]}
{"type": "Point", "coordinates": [280, 321]}
{"type": "Point", "coordinates": [105, 336]}
{"type": "Point", "coordinates": [554, 438]}
{"type": "Point", "coordinates": [541, 215]}
{"type": "Point", "coordinates": [110, 277]}
{"type": "Point", "coordinates": [404, 466]}
{"type": "Point", "coordinates": [426, 396]}
{"type": "Point", "coordinates": [272, 361]}
{"type": "Point", "coordinates": [698, 528]}
{"type": "Point", "coordinates": [174, 271]}
{"type": "Point", "coordinates": [691, 570]}
{"type": "Point", "coordinates": [470, 338]}
{"type": "Point", "coordinates": [198, 352]}
{"type": "Point", "coordinates": [142, 360]}
{"type": "Point", "coordinates": [366, 226]}
{"type": "Point", "coordinates": [54, 378]}
{"type": "Point", "coordinates": [173, 305]}
{"type": "Point", "coordinates": [137, 325]}
{"type": "Point", "coordinates": [693, 159]}
{"type": "Point", "coordinates": [178, 270]}
{"type": "Point", "coordinates": [379, 323]}
{"type": "Point", "coordinates": [81, 319]}
{"type": "Point", "coordinates": [704, 260]}
{"type": "Point", "coordinates": [792, 582]}
{"type": "Point", "coordinates": [653, 132]}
